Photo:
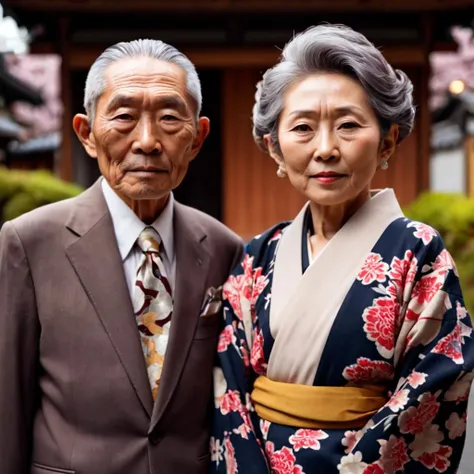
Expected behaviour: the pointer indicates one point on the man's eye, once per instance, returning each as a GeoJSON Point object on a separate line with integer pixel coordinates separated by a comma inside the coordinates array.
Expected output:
{"type": "Point", "coordinates": [124, 117]}
{"type": "Point", "coordinates": [169, 118]}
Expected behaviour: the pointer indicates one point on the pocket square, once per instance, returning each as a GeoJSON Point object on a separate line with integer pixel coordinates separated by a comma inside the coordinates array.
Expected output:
{"type": "Point", "coordinates": [212, 302]}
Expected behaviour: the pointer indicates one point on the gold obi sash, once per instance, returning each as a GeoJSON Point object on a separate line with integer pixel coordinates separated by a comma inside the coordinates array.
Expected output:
{"type": "Point", "coordinates": [305, 406]}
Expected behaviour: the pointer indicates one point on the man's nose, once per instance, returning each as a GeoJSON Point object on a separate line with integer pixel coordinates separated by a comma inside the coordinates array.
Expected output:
{"type": "Point", "coordinates": [326, 146]}
{"type": "Point", "coordinates": [146, 141]}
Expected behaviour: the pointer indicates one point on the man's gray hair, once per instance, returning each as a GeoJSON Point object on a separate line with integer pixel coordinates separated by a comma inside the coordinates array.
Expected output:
{"type": "Point", "coordinates": [96, 81]}
{"type": "Point", "coordinates": [336, 49]}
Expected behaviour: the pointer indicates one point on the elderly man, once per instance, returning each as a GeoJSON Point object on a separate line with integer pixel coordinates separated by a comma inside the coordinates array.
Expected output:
{"type": "Point", "coordinates": [109, 311]}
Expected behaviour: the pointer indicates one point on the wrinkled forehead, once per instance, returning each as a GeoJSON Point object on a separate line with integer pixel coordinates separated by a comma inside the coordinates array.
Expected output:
{"type": "Point", "coordinates": [142, 76]}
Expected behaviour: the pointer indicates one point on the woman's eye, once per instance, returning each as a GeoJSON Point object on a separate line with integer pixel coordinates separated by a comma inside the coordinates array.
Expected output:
{"type": "Point", "coordinates": [301, 128]}
{"type": "Point", "coordinates": [349, 125]}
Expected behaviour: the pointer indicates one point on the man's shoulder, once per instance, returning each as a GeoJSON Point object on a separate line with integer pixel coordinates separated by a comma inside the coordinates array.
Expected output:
{"type": "Point", "coordinates": [213, 227]}
{"type": "Point", "coordinates": [44, 220]}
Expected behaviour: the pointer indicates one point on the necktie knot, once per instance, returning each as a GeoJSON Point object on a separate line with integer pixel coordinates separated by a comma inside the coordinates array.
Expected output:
{"type": "Point", "coordinates": [149, 240]}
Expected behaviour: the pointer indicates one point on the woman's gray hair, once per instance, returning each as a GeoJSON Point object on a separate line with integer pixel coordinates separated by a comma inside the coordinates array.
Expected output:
{"type": "Point", "coordinates": [335, 49]}
{"type": "Point", "coordinates": [96, 81]}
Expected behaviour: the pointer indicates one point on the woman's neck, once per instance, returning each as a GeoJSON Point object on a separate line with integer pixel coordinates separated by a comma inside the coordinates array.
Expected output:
{"type": "Point", "coordinates": [327, 220]}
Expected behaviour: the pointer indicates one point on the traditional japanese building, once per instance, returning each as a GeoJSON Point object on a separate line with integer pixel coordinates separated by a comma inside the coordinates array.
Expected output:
{"type": "Point", "coordinates": [232, 42]}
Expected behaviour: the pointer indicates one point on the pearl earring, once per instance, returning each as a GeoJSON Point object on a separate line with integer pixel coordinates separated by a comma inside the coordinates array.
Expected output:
{"type": "Point", "coordinates": [384, 165]}
{"type": "Point", "coordinates": [281, 173]}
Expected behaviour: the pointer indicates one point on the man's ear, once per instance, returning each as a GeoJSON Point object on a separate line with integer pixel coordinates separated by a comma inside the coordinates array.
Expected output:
{"type": "Point", "coordinates": [203, 129]}
{"type": "Point", "coordinates": [389, 143]}
{"type": "Point", "coordinates": [270, 146]}
{"type": "Point", "coordinates": [83, 130]}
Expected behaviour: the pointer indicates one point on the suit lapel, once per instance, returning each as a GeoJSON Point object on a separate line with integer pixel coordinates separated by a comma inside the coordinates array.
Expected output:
{"type": "Point", "coordinates": [97, 262]}
{"type": "Point", "coordinates": [192, 264]}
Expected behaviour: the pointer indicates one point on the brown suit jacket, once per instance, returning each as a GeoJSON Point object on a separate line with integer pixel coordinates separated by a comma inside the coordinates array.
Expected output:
{"type": "Point", "coordinates": [74, 392]}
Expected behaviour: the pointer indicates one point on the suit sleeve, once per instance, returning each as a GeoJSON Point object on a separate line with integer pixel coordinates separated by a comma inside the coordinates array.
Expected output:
{"type": "Point", "coordinates": [19, 338]}
{"type": "Point", "coordinates": [238, 254]}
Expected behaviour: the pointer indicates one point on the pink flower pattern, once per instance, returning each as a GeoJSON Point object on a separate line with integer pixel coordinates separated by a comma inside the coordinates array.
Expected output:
{"type": "Point", "coordinates": [393, 454]}
{"type": "Point", "coordinates": [368, 370]}
{"type": "Point", "coordinates": [230, 402]}
{"type": "Point", "coordinates": [414, 419]}
{"type": "Point", "coordinates": [373, 469]}
{"type": "Point", "coordinates": [438, 460]}
{"type": "Point", "coordinates": [416, 379]}
{"type": "Point", "coordinates": [374, 269]}
{"type": "Point", "coordinates": [423, 232]}
{"type": "Point", "coordinates": [412, 429]}
{"type": "Point", "coordinates": [307, 439]}
{"type": "Point", "coordinates": [451, 346]}
{"type": "Point", "coordinates": [226, 337]}
{"type": "Point", "coordinates": [426, 288]}
{"type": "Point", "coordinates": [258, 358]}
{"type": "Point", "coordinates": [229, 455]}
{"type": "Point", "coordinates": [444, 263]}
{"type": "Point", "coordinates": [380, 323]}
{"type": "Point", "coordinates": [282, 461]}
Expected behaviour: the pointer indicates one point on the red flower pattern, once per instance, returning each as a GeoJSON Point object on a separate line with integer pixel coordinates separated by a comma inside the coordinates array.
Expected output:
{"type": "Point", "coordinates": [399, 267]}
{"type": "Point", "coordinates": [350, 439]}
{"type": "Point", "coordinates": [368, 370]}
{"type": "Point", "coordinates": [423, 232]}
{"type": "Point", "coordinates": [380, 324]}
{"type": "Point", "coordinates": [283, 461]}
{"type": "Point", "coordinates": [229, 455]}
{"type": "Point", "coordinates": [438, 460]}
{"type": "Point", "coordinates": [411, 315]}
{"type": "Point", "coordinates": [257, 358]}
{"type": "Point", "coordinates": [230, 402]}
{"type": "Point", "coordinates": [373, 469]}
{"type": "Point", "coordinates": [414, 419]}
{"type": "Point", "coordinates": [260, 282]}
{"type": "Point", "coordinates": [451, 346]}
{"type": "Point", "coordinates": [307, 439]}
{"type": "Point", "coordinates": [444, 263]}
{"type": "Point", "coordinates": [225, 338]}
{"type": "Point", "coordinates": [426, 288]}
{"type": "Point", "coordinates": [235, 288]}
{"type": "Point", "coordinates": [393, 455]}
{"type": "Point", "coordinates": [374, 269]}
{"type": "Point", "coordinates": [402, 274]}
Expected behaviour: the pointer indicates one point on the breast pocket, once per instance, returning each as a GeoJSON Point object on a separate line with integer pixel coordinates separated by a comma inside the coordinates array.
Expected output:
{"type": "Point", "coordinates": [43, 469]}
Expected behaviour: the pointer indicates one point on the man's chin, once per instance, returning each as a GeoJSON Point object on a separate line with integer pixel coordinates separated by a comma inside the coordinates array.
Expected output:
{"type": "Point", "coordinates": [145, 193]}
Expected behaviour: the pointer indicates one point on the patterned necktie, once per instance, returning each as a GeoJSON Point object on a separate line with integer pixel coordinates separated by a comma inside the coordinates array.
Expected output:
{"type": "Point", "coordinates": [153, 305]}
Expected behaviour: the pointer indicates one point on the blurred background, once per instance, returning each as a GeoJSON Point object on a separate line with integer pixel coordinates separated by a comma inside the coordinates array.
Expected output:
{"type": "Point", "coordinates": [47, 47]}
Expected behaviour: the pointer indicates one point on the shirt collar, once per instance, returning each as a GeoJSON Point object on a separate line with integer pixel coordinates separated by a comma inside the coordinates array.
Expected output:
{"type": "Point", "coordinates": [127, 226]}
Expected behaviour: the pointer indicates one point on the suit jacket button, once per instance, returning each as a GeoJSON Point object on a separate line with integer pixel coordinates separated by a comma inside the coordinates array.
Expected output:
{"type": "Point", "coordinates": [154, 438]}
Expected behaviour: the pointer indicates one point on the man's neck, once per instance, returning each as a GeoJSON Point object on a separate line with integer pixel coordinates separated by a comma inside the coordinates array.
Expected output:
{"type": "Point", "coordinates": [147, 210]}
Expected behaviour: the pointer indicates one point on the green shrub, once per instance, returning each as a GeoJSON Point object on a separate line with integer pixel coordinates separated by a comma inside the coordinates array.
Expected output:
{"type": "Point", "coordinates": [453, 216]}
{"type": "Point", "coordinates": [22, 191]}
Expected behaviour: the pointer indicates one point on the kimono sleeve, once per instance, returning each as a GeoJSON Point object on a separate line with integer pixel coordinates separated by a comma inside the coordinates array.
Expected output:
{"type": "Point", "coordinates": [236, 439]}
{"type": "Point", "coordinates": [422, 427]}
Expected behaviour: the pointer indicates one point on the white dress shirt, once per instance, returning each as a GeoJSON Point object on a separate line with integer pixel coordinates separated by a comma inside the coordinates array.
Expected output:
{"type": "Point", "coordinates": [128, 226]}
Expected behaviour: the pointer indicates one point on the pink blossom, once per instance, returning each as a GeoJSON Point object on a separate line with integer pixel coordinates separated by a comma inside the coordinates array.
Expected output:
{"type": "Point", "coordinates": [374, 269]}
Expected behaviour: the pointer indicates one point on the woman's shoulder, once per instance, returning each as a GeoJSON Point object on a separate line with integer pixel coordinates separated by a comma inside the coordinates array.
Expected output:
{"type": "Point", "coordinates": [261, 248]}
{"type": "Point", "coordinates": [419, 236]}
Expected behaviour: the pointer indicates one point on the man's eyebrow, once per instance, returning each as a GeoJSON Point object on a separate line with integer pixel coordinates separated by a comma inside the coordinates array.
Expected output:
{"type": "Point", "coordinates": [172, 102]}
{"type": "Point", "coordinates": [120, 100]}
{"type": "Point", "coordinates": [123, 100]}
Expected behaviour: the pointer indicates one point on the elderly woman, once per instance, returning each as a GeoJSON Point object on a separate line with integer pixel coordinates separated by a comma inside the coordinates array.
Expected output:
{"type": "Point", "coordinates": [347, 347]}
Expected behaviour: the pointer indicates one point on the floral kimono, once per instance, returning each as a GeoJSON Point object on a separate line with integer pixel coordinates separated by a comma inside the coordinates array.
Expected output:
{"type": "Point", "coordinates": [359, 361]}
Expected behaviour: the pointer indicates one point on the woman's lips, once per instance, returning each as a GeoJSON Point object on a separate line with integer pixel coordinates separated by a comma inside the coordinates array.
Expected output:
{"type": "Point", "coordinates": [328, 177]}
